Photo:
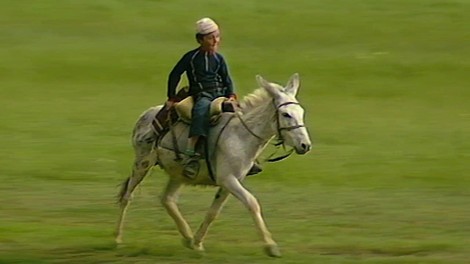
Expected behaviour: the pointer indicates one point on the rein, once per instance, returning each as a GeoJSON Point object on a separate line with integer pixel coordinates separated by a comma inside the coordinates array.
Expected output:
{"type": "Point", "coordinates": [246, 127]}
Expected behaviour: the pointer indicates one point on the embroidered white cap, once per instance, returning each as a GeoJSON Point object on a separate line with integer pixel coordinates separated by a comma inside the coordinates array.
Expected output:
{"type": "Point", "coordinates": [205, 26]}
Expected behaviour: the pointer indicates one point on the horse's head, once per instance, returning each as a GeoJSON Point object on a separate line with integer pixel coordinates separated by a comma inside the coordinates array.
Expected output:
{"type": "Point", "coordinates": [289, 113]}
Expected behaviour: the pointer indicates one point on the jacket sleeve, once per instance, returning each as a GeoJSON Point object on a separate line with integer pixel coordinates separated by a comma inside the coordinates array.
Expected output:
{"type": "Point", "coordinates": [175, 75]}
{"type": "Point", "coordinates": [226, 80]}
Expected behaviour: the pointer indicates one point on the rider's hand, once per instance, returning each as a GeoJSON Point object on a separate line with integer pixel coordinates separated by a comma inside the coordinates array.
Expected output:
{"type": "Point", "coordinates": [169, 103]}
{"type": "Point", "coordinates": [232, 97]}
{"type": "Point", "coordinates": [233, 100]}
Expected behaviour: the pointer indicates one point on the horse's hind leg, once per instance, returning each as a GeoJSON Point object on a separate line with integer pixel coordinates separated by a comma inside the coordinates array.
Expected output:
{"type": "Point", "coordinates": [169, 201]}
{"type": "Point", "coordinates": [140, 169]}
{"type": "Point", "coordinates": [217, 205]}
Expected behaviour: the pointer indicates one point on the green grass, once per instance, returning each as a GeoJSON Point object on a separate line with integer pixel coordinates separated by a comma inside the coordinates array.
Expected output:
{"type": "Point", "coordinates": [386, 89]}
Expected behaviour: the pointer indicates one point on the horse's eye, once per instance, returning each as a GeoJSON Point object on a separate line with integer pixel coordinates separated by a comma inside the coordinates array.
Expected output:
{"type": "Point", "coordinates": [286, 115]}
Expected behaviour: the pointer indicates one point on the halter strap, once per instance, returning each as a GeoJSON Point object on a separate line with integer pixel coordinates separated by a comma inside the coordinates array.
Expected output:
{"type": "Point", "coordinates": [287, 103]}
{"type": "Point", "coordinates": [279, 128]}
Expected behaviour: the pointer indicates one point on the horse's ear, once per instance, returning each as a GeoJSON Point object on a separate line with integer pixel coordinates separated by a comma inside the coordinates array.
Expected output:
{"type": "Point", "coordinates": [261, 81]}
{"type": "Point", "coordinates": [267, 86]}
{"type": "Point", "coordinates": [293, 84]}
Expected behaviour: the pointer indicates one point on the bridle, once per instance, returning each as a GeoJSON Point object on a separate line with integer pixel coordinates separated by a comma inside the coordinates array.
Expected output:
{"type": "Point", "coordinates": [289, 128]}
{"type": "Point", "coordinates": [279, 129]}
{"type": "Point", "coordinates": [279, 140]}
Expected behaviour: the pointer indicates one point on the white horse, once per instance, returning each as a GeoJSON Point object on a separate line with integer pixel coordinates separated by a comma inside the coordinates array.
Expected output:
{"type": "Point", "coordinates": [233, 145]}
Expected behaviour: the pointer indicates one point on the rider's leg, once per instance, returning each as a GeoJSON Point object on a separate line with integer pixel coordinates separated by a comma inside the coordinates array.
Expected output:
{"type": "Point", "coordinates": [191, 146]}
{"type": "Point", "coordinates": [199, 122]}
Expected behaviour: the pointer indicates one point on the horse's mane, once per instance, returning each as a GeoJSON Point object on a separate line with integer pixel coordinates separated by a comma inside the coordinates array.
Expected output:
{"type": "Point", "coordinates": [257, 102]}
{"type": "Point", "coordinates": [255, 99]}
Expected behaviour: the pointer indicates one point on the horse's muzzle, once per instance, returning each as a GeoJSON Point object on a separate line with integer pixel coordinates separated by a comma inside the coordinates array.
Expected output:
{"type": "Point", "coordinates": [302, 148]}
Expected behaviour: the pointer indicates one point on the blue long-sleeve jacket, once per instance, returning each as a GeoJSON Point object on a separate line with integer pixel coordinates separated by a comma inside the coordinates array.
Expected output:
{"type": "Point", "coordinates": [204, 70]}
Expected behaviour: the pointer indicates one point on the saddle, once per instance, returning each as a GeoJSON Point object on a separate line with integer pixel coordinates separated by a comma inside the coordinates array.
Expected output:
{"type": "Point", "coordinates": [218, 105]}
{"type": "Point", "coordinates": [182, 110]}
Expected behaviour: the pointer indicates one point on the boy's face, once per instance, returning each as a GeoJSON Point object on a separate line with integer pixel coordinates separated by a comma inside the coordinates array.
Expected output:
{"type": "Point", "coordinates": [210, 42]}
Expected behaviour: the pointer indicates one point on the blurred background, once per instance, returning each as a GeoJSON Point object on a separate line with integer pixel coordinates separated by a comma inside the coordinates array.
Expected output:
{"type": "Point", "coordinates": [385, 85]}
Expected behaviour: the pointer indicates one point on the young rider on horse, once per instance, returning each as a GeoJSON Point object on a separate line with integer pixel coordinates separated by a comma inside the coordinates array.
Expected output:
{"type": "Point", "coordinates": [208, 78]}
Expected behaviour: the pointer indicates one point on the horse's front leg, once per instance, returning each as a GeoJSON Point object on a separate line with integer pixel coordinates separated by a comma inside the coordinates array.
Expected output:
{"type": "Point", "coordinates": [169, 201]}
{"type": "Point", "coordinates": [236, 189]}
{"type": "Point", "coordinates": [217, 205]}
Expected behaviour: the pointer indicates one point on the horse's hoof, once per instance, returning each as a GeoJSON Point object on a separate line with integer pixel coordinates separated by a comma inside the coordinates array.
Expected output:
{"type": "Point", "coordinates": [272, 251]}
{"type": "Point", "coordinates": [118, 244]}
{"type": "Point", "coordinates": [188, 243]}
{"type": "Point", "coordinates": [199, 247]}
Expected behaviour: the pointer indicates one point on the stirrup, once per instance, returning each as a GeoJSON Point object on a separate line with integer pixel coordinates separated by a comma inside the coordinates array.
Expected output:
{"type": "Point", "coordinates": [190, 153]}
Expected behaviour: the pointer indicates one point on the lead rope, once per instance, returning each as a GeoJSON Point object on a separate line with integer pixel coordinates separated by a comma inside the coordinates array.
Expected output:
{"type": "Point", "coordinates": [281, 157]}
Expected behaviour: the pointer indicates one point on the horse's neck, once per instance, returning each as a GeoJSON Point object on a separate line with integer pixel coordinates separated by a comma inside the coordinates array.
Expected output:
{"type": "Point", "coordinates": [259, 121]}
{"type": "Point", "coordinates": [247, 133]}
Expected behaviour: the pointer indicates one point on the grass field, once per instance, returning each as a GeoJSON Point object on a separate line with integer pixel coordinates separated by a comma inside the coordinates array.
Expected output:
{"type": "Point", "coordinates": [385, 84]}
